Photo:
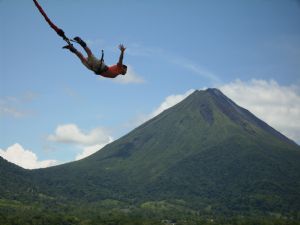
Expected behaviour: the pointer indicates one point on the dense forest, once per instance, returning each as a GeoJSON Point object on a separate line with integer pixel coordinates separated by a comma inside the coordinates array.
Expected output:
{"type": "Point", "coordinates": [112, 212]}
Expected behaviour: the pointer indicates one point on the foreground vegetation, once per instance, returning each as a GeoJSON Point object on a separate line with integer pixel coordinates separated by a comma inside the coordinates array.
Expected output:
{"type": "Point", "coordinates": [112, 212]}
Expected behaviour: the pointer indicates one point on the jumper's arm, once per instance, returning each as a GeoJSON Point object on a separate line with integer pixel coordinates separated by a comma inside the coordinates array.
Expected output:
{"type": "Point", "coordinates": [122, 49]}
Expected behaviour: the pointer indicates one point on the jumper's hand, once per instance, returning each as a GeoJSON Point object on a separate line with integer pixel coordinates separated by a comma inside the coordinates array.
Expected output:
{"type": "Point", "coordinates": [122, 48]}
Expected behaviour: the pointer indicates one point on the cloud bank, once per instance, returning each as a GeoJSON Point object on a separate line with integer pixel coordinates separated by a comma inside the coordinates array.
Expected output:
{"type": "Point", "coordinates": [24, 158]}
{"type": "Point", "coordinates": [277, 105]}
{"type": "Point", "coordinates": [70, 133]}
{"type": "Point", "coordinates": [89, 142]}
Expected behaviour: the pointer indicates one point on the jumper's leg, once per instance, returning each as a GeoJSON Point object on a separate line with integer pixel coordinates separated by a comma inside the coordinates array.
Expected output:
{"type": "Point", "coordinates": [77, 53]}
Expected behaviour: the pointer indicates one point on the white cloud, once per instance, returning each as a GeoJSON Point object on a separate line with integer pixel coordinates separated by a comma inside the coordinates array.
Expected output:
{"type": "Point", "coordinates": [89, 150]}
{"type": "Point", "coordinates": [24, 158]}
{"type": "Point", "coordinates": [277, 105]}
{"type": "Point", "coordinates": [6, 110]}
{"type": "Point", "coordinates": [13, 106]}
{"type": "Point", "coordinates": [70, 133]}
{"type": "Point", "coordinates": [9, 106]}
{"type": "Point", "coordinates": [89, 142]}
{"type": "Point", "coordinates": [168, 102]}
{"type": "Point", "coordinates": [130, 77]}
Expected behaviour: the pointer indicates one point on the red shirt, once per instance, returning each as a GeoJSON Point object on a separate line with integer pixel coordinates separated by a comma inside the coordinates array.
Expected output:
{"type": "Point", "coordinates": [113, 71]}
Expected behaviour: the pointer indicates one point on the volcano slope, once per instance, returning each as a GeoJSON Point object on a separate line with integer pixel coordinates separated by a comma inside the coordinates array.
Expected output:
{"type": "Point", "coordinates": [206, 153]}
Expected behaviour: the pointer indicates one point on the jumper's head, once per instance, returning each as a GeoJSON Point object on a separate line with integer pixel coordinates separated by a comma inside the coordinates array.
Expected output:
{"type": "Point", "coordinates": [124, 68]}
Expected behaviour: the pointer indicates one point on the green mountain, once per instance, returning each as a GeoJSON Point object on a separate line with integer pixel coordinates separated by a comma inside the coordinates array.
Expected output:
{"type": "Point", "coordinates": [14, 180]}
{"type": "Point", "coordinates": [206, 153]}
{"type": "Point", "coordinates": [206, 150]}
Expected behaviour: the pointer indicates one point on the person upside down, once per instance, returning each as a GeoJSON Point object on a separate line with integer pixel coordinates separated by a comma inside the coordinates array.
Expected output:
{"type": "Point", "coordinates": [97, 65]}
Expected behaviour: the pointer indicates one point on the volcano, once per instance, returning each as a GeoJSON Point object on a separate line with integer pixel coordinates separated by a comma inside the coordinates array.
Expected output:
{"type": "Point", "coordinates": [206, 151]}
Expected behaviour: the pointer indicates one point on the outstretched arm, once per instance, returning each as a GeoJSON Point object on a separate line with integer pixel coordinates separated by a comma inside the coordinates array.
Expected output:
{"type": "Point", "coordinates": [122, 49]}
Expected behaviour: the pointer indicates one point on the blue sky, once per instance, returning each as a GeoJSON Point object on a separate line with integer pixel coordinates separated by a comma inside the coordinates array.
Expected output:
{"type": "Point", "coordinates": [53, 108]}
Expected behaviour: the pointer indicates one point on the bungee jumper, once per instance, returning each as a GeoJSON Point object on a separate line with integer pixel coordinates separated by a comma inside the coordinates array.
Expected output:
{"type": "Point", "coordinates": [98, 65]}
{"type": "Point", "coordinates": [91, 62]}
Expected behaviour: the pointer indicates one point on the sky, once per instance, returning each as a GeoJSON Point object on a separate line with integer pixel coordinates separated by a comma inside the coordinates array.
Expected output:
{"type": "Point", "coordinates": [53, 110]}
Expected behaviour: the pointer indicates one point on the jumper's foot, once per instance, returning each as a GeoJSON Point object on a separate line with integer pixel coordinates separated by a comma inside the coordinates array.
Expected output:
{"type": "Point", "coordinates": [70, 47]}
{"type": "Point", "coordinates": [80, 41]}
